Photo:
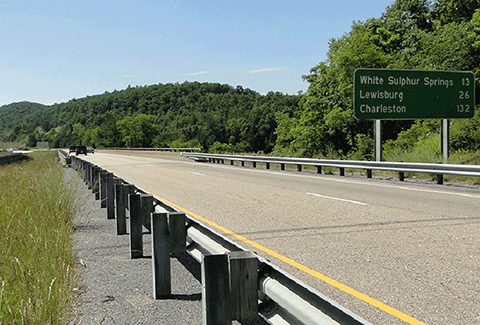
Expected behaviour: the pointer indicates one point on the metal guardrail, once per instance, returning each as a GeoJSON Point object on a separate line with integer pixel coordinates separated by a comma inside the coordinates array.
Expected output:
{"type": "Point", "coordinates": [157, 149]}
{"type": "Point", "coordinates": [400, 167]}
{"type": "Point", "coordinates": [237, 284]}
{"type": "Point", "coordinates": [64, 157]}
{"type": "Point", "coordinates": [9, 158]}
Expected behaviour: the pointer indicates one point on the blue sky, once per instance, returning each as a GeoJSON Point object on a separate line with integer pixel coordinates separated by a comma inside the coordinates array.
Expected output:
{"type": "Point", "coordinates": [53, 51]}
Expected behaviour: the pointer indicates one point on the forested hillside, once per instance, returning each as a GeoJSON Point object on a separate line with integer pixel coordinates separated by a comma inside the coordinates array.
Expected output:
{"type": "Point", "coordinates": [410, 34]}
{"type": "Point", "coordinates": [17, 116]}
{"type": "Point", "coordinates": [206, 115]}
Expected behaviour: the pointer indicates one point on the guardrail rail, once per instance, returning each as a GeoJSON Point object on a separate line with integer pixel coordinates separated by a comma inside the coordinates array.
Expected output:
{"type": "Point", "coordinates": [237, 284]}
{"type": "Point", "coordinates": [64, 157]}
{"type": "Point", "coordinates": [9, 158]}
{"type": "Point", "coordinates": [368, 166]}
{"type": "Point", "coordinates": [157, 149]}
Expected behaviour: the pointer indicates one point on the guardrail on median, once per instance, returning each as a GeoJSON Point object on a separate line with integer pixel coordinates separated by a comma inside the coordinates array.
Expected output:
{"type": "Point", "coordinates": [156, 149]}
{"type": "Point", "coordinates": [64, 157]}
{"type": "Point", "coordinates": [8, 158]}
{"type": "Point", "coordinates": [368, 166]}
{"type": "Point", "coordinates": [236, 283]}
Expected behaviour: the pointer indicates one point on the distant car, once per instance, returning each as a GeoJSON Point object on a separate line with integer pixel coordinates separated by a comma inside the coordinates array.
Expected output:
{"type": "Point", "coordinates": [90, 150]}
{"type": "Point", "coordinates": [81, 150]}
{"type": "Point", "coordinates": [72, 149]}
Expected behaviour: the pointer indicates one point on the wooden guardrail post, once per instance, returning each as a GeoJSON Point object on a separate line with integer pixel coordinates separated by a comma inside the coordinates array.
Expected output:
{"type": "Point", "coordinates": [80, 167]}
{"type": "Point", "coordinates": [439, 179]}
{"type": "Point", "coordinates": [127, 190]}
{"type": "Point", "coordinates": [401, 176]}
{"type": "Point", "coordinates": [216, 305]}
{"type": "Point", "coordinates": [136, 235]}
{"type": "Point", "coordinates": [96, 181]}
{"type": "Point", "coordinates": [244, 284]}
{"type": "Point", "coordinates": [369, 173]}
{"type": "Point", "coordinates": [147, 209]}
{"type": "Point", "coordinates": [178, 232]}
{"type": "Point", "coordinates": [93, 177]}
{"type": "Point", "coordinates": [110, 188]}
{"type": "Point", "coordinates": [103, 189]}
{"type": "Point", "coordinates": [319, 169]}
{"type": "Point", "coordinates": [74, 164]}
{"type": "Point", "coordinates": [162, 287]}
{"type": "Point", "coordinates": [299, 168]}
{"type": "Point", "coordinates": [342, 171]}
{"type": "Point", "coordinates": [120, 205]}
{"type": "Point", "coordinates": [85, 172]}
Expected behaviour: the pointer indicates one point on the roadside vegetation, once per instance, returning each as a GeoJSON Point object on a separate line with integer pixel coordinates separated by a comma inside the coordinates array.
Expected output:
{"type": "Point", "coordinates": [37, 268]}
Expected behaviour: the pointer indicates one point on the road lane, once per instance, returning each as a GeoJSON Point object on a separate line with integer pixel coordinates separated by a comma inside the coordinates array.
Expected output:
{"type": "Point", "coordinates": [413, 248]}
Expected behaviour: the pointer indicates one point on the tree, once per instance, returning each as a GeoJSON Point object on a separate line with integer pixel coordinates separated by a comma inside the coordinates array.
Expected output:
{"type": "Point", "coordinates": [138, 131]}
{"type": "Point", "coordinates": [457, 11]}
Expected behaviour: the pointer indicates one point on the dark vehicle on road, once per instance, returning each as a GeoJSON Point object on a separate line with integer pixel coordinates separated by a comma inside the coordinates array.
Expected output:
{"type": "Point", "coordinates": [72, 149]}
{"type": "Point", "coordinates": [81, 150]}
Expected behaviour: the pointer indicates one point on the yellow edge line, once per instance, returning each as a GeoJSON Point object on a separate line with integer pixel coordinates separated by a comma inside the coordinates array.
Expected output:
{"type": "Point", "coordinates": [390, 310]}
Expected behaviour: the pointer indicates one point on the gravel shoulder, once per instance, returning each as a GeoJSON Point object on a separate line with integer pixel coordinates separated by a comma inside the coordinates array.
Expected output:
{"type": "Point", "coordinates": [115, 289]}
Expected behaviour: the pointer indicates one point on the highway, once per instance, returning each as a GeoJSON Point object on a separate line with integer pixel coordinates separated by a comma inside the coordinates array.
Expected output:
{"type": "Point", "coordinates": [391, 252]}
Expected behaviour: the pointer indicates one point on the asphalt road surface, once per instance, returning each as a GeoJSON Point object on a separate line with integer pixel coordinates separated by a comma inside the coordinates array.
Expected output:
{"type": "Point", "coordinates": [391, 252]}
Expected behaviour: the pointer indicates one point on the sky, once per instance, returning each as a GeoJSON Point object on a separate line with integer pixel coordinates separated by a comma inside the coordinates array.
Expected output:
{"type": "Point", "coordinates": [56, 50]}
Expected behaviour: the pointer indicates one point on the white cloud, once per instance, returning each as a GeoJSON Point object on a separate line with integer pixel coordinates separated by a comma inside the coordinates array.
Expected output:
{"type": "Point", "coordinates": [264, 70]}
{"type": "Point", "coordinates": [195, 73]}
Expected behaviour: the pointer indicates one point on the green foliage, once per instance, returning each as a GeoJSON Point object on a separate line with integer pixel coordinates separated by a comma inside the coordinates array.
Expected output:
{"type": "Point", "coordinates": [364, 148]}
{"type": "Point", "coordinates": [138, 131]}
{"type": "Point", "coordinates": [465, 134]}
{"type": "Point", "coordinates": [407, 139]}
{"type": "Point", "coordinates": [426, 149]}
{"type": "Point", "coordinates": [171, 115]}
{"type": "Point", "coordinates": [448, 11]}
{"type": "Point", "coordinates": [18, 120]}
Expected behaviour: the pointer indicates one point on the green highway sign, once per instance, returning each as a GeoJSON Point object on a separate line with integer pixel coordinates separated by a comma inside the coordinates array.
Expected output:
{"type": "Point", "coordinates": [381, 94]}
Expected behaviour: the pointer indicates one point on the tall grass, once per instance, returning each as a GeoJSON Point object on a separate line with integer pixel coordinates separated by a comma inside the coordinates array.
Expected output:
{"type": "Point", "coordinates": [36, 259]}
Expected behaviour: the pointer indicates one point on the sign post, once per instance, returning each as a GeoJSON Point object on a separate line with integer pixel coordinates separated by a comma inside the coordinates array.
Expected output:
{"type": "Point", "coordinates": [445, 147]}
{"type": "Point", "coordinates": [377, 131]}
{"type": "Point", "coordinates": [382, 94]}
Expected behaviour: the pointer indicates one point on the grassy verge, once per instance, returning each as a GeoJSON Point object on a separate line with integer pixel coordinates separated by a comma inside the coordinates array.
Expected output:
{"type": "Point", "coordinates": [36, 260]}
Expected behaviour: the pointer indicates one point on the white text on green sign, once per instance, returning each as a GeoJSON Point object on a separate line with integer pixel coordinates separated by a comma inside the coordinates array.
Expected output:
{"type": "Point", "coordinates": [413, 94]}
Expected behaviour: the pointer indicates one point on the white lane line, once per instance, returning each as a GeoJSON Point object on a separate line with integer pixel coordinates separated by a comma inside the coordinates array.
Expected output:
{"type": "Point", "coordinates": [194, 173]}
{"type": "Point", "coordinates": [413, 189]}
{"type": "Point", "coordinates": [336, 198]}
{"type": "Point", "coordinates": [318, 177]}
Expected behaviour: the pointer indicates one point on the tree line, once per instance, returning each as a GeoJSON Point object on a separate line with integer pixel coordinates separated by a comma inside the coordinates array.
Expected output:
{"type": "Point", "coordinates": [410, 34]}
{"type": "Point", "coordinates": [210, 116]}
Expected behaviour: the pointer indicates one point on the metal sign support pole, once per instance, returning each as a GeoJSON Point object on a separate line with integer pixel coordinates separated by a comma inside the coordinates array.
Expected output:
{"type": "Point", "coordinates": [445, 144]}
{"type": "Point", "coordinates": [378, 140]}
